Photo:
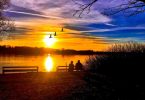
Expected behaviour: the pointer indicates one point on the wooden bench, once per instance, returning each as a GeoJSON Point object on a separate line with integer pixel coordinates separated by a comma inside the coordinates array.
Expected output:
{"type": "Point", "coordinates": [62, 68]}
{"type": "Point", "coordinates": [19, 69]}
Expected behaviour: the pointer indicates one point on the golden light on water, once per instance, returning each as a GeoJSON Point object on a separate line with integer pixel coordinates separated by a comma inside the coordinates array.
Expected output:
{"type": "Point", "coordinates": [49, 64]}
{"type": "Point", "coordinates": [49, 42]}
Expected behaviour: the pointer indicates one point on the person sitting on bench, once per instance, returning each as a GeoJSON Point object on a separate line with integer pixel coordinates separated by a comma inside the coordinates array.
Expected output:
{"type": "Point", "coordinates": [71, 67]}
{"type": "Point", "coordinates": [79, 66]}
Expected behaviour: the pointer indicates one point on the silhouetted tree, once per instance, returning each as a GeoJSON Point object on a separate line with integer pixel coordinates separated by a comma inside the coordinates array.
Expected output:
{"type": "Point", "coordinates": [6, 24]}
{"type": "Point", "coordinates": [131, 7]}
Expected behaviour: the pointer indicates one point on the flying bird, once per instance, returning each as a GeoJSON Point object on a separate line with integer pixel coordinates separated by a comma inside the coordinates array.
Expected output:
{"type": "Point", "coordinates": [55, 34]}
{"type": "Point", "coordinates": [62, 30]}
{"type": "Point", "coordinates": [50, 36]}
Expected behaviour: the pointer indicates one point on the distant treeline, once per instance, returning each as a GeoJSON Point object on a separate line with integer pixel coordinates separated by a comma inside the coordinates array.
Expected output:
{"type": "Point", "coordinates": [126, 48]}
{"type": "Point", "coordinates": [24, 50]}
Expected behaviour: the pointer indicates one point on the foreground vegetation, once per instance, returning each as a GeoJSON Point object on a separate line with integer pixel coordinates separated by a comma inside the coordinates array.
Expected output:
{"type": "Point", "coordinates": [126, 60]}
{"type": "Point", "coordinates": [125, 68]}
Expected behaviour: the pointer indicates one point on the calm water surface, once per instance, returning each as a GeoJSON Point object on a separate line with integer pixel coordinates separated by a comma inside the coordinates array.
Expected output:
{"type": "Point", "coordinates": [47, 63]}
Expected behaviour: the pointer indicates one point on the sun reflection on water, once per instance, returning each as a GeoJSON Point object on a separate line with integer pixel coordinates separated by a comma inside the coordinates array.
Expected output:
{"type": "Point", "coordinates": [49, 63]}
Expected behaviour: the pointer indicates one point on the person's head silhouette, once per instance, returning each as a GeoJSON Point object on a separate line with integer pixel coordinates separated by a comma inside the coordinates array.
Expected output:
{"type": "Point", "coordinates": [78, 61]}
{"type": "Point", "coordinates": [71, 62]}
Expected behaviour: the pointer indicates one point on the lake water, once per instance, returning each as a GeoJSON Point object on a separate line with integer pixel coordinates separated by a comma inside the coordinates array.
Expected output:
{"type": "Point", "coordinates": [47, 63]}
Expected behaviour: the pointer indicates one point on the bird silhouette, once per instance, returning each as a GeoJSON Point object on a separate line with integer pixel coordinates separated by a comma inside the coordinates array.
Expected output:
{"type": "Point", "coordinates": [55, 34]}
{"type": "Point", "coordinates": [50, 36]}
{"type": "Point", "coordinates": [62, 30]}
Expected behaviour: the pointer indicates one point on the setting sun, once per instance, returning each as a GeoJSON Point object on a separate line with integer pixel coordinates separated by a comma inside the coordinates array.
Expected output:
{"type": "Point", "coordinates": [49, 42]}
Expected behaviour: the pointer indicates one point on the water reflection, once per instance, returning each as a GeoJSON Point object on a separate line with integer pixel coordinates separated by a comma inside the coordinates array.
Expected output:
{"type": "Point", "coordinates": [46, 63]}
{"type": "Point", "coordinates": [49, 63]}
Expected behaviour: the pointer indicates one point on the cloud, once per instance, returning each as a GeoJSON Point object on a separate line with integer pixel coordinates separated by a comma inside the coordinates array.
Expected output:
{"type": "Point", "coordinates": [117, 29]}
{"type": "Point", "coordinates": [28, 14]}
{"type": "Point", "coordinates": [117, 34]}
{"type": "Point", "coordinates": [59, 12]}
{"type": "Point", "coordinates": [62, 9]}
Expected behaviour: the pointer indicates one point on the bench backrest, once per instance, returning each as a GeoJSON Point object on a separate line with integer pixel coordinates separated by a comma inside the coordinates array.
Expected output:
{"type": "Point", "coordinates": [62, 68]}
{"type": "Point", "coordinates": [13, 69]}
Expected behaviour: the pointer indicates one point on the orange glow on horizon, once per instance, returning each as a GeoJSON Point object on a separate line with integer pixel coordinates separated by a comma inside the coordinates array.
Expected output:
{"type": "Point", "coordinates": [69, 39]}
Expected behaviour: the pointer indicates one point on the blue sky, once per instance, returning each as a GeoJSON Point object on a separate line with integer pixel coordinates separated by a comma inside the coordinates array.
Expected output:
{"type": "Point", "coordinates": [115, 28]}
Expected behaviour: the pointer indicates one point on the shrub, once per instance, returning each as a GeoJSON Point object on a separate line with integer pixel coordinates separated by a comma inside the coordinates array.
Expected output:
{"type": "Point", "coordinates": [124, 65]}
{"type": "Point", "coordinates": [127, 47]}
{"type": "Point", "coordinates": [123, 61]}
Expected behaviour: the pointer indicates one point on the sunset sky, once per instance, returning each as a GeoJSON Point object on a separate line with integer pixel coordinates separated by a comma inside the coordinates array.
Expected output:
{"type": "Point", "coordinates": [36, 19]}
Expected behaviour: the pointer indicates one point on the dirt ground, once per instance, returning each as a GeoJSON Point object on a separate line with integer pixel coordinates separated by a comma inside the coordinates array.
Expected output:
{"type": "Point", "coordinates": [39, 86]}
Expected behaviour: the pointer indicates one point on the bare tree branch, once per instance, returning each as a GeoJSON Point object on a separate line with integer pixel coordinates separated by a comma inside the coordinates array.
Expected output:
{"type": "Point", "coordinates": [6, 24]}
{"type": "Point", "coordinates": [132, 7]}
{"type": "Point", "coordinates": [83, 7]}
